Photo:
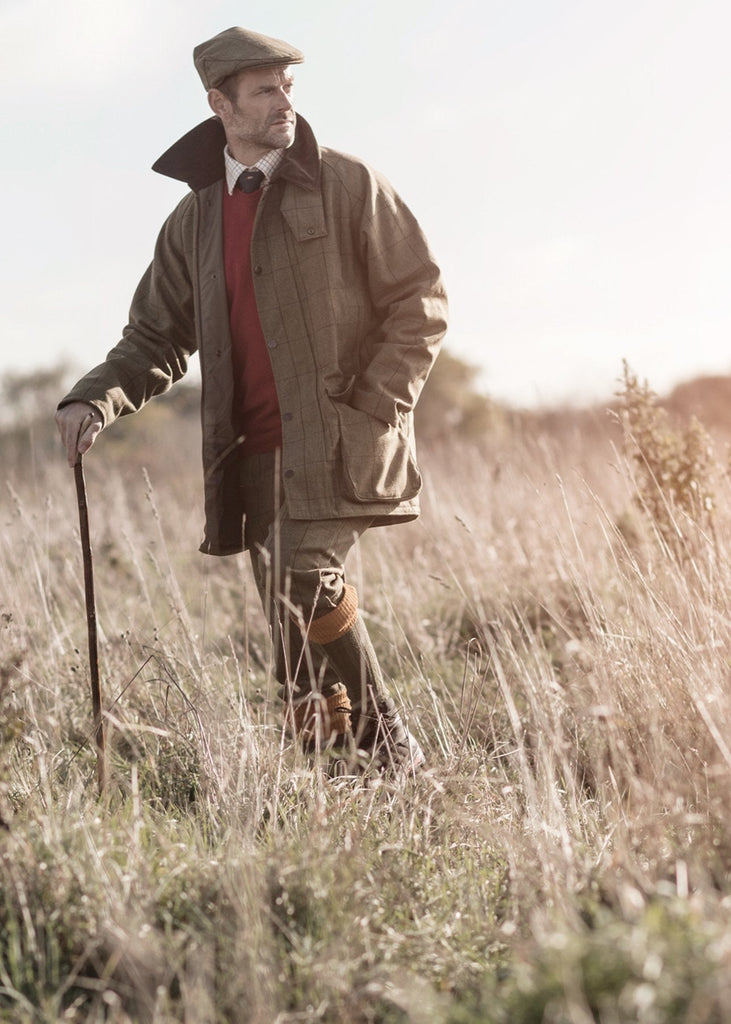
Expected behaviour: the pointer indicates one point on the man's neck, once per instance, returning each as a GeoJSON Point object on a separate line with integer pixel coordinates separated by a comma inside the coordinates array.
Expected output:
{"type": "Point", "coordinates": [246, 155]}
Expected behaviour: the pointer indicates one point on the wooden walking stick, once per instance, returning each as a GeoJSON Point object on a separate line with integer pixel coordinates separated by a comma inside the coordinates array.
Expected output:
{"type": "Point", "coordinates": [96, 692]}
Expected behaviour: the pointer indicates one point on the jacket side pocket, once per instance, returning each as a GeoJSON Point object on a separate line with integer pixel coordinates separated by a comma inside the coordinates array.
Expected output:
{"type": "Point", "coordinates": [377, 460]}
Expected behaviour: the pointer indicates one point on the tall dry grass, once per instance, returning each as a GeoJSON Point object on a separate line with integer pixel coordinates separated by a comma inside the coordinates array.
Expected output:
{"type": "Point", "coordinates": [566, 855]}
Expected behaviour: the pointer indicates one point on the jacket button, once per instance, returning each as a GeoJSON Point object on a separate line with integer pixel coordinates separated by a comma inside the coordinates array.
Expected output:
{"type": "Point", "coordinates": [289, 473]}
{"type": "Point", "coordinates": [287, 417]}
{"type": "Point", "coordinates": [310, 231]}
{"type": "Point", "coordinates": [257, 269]}
{"type": "Point", "coordinates": [272, 343]}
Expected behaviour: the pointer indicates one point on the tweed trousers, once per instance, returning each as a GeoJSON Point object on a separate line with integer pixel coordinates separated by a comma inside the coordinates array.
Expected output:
{"type": "Point", "coordinates": [299, 570]}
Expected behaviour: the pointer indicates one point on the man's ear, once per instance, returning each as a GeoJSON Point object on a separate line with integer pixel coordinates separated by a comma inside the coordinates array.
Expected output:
{"type": "Point", "coordinates": [217, 102]}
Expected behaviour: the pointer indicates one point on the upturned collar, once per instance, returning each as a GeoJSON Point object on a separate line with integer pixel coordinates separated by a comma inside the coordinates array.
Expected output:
{"type": "Point", "coordinates": [197, 157]}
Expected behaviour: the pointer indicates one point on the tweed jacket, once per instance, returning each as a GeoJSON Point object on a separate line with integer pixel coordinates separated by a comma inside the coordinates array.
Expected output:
{"type": "Point", "coordinates": [353, 311]}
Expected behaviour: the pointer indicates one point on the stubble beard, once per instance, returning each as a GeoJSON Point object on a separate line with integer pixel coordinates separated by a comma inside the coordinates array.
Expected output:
{"type": "Point", "coordinates": [272, 134]}
{"type": "Point", "coordinates": [280, 136]}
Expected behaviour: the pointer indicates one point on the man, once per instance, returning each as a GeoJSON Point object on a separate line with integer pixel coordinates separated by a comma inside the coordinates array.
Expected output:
{"type": "Point", "coordinates": [309, 291]}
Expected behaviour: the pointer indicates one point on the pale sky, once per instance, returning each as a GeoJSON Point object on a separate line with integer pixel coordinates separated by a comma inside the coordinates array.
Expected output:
{"type": "Point", "coordinates": [569, 161]}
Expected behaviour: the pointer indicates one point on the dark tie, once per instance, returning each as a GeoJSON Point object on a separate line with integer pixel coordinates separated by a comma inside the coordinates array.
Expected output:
{"type": "Point", "coordinates": [249, 181]}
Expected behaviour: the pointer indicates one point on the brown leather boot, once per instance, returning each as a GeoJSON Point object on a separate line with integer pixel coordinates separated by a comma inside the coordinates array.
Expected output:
{"type": "Point", "coordinates": [322, 723]}
{"type": "Point", "coordinates": [380, 733]}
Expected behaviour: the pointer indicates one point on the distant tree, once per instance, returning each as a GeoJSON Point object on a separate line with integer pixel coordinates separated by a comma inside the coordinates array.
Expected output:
{"type": "Point", "coordinates": [452, 405]}
{"type": "Point", "coordinates": [31, 395]}
{"type": "Point", "coordinates": [708, 398]}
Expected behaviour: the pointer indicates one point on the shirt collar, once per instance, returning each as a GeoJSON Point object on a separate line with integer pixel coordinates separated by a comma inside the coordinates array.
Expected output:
{"type": "Point", "coordinates": [266, 164]}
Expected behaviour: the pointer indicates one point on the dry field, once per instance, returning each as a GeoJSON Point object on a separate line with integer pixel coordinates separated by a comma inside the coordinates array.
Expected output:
{"type": "Point", "coordinates": [562, 655]}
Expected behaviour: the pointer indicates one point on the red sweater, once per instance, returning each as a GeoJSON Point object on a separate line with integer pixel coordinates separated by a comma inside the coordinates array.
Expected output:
{"type": "Point", "coordinates": [256, 406]}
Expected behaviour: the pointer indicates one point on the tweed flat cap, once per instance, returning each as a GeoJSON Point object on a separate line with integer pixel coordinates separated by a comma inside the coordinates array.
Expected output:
{"type": "Point", "coordinates": [237, 49]}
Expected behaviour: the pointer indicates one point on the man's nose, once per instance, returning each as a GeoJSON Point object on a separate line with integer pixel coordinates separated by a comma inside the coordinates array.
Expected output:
{"type": "Point", "coordinates": [285, 100]}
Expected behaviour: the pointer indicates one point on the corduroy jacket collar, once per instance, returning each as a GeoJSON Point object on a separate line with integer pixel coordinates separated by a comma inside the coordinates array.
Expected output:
{"type": "Point", "coordinates": [197, 157]}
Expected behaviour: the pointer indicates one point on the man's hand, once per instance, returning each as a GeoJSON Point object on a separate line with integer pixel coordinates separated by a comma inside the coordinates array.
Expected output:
{"type": "Point", "coordinates": [78, 424]}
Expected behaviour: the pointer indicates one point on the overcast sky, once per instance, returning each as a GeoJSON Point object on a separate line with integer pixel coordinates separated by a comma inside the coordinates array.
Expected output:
{"type": "Point", "coordinates": [570, 163]}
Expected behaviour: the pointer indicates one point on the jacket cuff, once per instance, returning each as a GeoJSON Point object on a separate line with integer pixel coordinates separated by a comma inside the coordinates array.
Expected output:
{"type": "Point", "coordinates": [381, 407]}
{"type": "Point", "coordinates": [99, 406]}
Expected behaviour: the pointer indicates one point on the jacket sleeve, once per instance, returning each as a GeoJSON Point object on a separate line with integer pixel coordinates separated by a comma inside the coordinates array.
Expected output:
{"type": "Point", "coordinates": [160, 337]}
{"type": "Point", "coordinates": [409, 299]}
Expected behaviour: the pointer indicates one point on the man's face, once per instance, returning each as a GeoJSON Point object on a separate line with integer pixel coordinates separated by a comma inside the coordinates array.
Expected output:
{"type": "Point", "coordinates": [261, 116]}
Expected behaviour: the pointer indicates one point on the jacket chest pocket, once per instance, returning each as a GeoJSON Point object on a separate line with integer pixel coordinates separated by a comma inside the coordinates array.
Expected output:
{"type": "Point", "coordinates": [306, 222]}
